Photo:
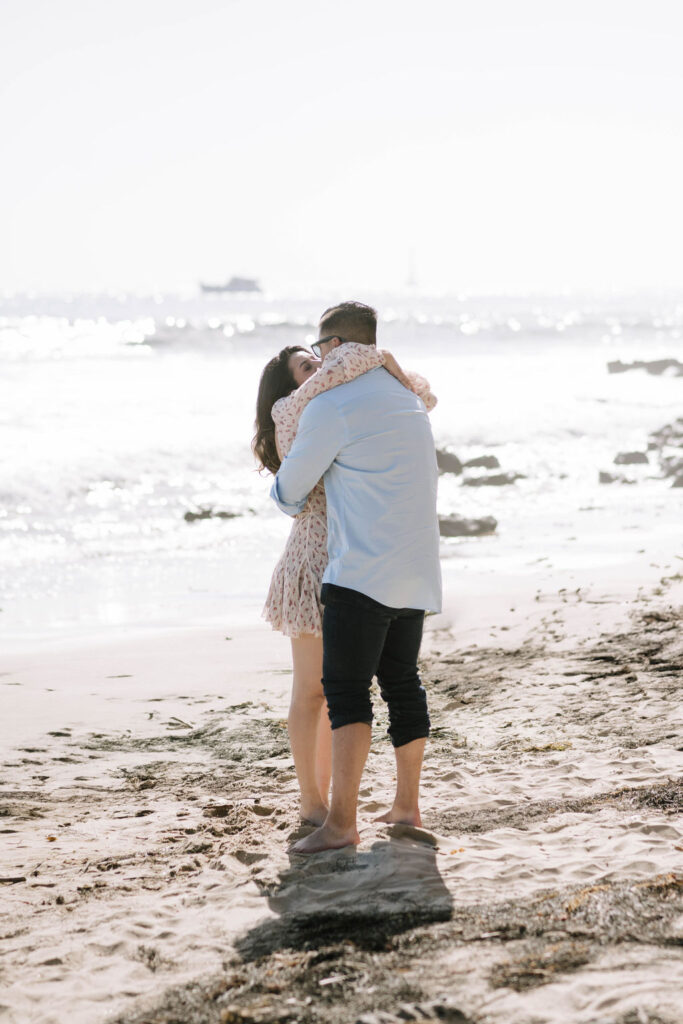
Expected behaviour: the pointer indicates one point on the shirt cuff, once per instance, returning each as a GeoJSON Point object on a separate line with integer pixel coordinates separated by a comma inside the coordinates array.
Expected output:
{"type": "Point", "coordinates": [291, 508]}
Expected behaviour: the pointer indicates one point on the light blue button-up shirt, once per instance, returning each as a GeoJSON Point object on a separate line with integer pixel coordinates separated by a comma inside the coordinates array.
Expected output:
{"type": "Point", "coordinates": [371, 441]}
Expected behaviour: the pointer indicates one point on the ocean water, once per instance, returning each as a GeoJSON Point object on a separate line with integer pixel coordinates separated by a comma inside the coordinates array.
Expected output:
{"type": "Point", "coordinates": [118, 414]}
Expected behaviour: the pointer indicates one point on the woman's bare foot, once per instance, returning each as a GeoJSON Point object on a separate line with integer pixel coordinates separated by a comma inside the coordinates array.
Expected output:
{"type": "Point", "coordinates": [402, 816]}
{"type": "Point", "coordinates": [314, 814]}
{"type": "Point", "coordinates": [326, 838]}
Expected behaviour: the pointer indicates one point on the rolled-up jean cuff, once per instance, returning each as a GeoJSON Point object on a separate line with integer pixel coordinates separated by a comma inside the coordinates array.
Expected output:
{"type": "Point", "coordinates": [348, 702]}
{"type": "Point", "coordinates": [409, 735]}
{"type": "Point", "coordinates": [339, 720]}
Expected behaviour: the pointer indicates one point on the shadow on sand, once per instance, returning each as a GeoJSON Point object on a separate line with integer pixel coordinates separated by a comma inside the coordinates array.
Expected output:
{"type": "Point", "coordinates": [364, 896]}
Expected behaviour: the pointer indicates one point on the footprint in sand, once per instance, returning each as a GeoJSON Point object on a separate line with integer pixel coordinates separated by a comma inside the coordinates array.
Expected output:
{"type": "Point", "coordinates": [371, 806]}
{"type": "Point", "coordinates": [248, 857]}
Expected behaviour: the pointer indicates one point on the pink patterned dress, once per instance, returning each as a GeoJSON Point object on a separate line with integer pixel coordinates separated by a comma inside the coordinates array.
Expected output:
{"type": "Point", "coordinates": [293, 603]}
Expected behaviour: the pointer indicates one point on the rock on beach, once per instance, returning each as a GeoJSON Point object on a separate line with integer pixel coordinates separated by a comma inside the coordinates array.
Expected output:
{"type": "Point", "coordinates": [656, 367]}
{"type": "Point", "coordinates": [208, 513]}
{"type": "Point", "coordinates": [447, 461]}
{"type": "Point", "coordinates": [613, 478]}
{"type": "Point", "coordinates": [482, 462]}
{"type": "Point", "coordinates": [460, 526]}
{"type": "Point", "coordinates": [667, 437]}
{"type": "Point", "coordinates": [493, 480]}
{"type": "Point", "coordinates": [671, 465]}
{"type": "Point", "coordinates": [630, 458]}
{"type": "Point", "coordinates": [669, 434]}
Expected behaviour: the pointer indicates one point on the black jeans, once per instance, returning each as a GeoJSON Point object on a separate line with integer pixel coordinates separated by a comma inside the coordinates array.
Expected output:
{"type": "Point", "coordinates": [363, 638]}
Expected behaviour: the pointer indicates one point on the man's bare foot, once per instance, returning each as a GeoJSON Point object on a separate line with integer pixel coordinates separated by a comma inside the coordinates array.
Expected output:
{"type": "Point", "coordinates": [326, 838]}
{"type": "Point", "coordinates": [313, 815]}
{"type": "Point", "coordinates": [402, 816]}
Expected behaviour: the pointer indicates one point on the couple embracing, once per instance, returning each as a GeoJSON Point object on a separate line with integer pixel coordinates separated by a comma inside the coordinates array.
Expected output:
{"type": "Point", "coordinates": [346, 433]}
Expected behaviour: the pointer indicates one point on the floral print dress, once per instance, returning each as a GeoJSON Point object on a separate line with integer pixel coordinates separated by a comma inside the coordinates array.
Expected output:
{"type": "Point", "coordinates": [293, 603]}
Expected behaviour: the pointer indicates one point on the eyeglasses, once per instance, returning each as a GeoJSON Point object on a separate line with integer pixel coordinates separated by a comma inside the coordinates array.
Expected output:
{"type": "Point", "coordinates": [321, 341]}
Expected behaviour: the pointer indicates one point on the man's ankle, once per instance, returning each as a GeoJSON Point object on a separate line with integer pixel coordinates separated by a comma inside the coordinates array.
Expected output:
{"type": "Point", "coordinates": [340, 825]}
{"type": "Point", "coordinates": [408, 815]}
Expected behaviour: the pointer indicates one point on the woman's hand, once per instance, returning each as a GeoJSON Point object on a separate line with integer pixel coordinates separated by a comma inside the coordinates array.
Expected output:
{"type": "Point", "coordinates": [394, 369]}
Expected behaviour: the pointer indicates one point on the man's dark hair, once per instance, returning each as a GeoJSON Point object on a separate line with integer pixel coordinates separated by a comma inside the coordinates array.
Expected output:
{"type": "Point", "coordinates": [352, 321]}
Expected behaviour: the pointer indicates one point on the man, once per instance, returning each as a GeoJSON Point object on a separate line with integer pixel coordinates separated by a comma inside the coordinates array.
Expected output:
{"type": "Point", "coordinates": [371, 441]}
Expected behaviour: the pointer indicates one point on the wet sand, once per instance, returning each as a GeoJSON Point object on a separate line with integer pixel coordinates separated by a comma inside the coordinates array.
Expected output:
{"type": "Point", "coordinates": [148, 802]}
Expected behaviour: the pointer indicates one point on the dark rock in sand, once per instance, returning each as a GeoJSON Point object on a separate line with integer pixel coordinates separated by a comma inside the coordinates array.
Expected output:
{"type": "Point", "coordinates": [614, 478]}
{"type": "Point", "coordinates": [630, 458]}
{"type": "Point", "coordinates": [459, 526]}
{"type": "Point", "coordinates": [447, 461]}
{"type": "Point", "coordinates": [494, 480]}
{"type": "Point", "coordinates": [672, 367]}
{"type": "Point", "coordinates": [482, 462]}
{"type": "Point", "coordinates": [208, 513]}
{"type": "Point", "coordinates": [672, 465]}
{"type": "Point", "coordinates": [670, 434]}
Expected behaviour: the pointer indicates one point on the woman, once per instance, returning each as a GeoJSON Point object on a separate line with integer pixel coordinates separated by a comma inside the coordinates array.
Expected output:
{"type": "Point", "coordinates": [288, 383]}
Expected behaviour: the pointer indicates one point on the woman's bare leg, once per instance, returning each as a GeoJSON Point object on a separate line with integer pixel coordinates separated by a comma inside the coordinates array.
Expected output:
{"type": "Point", "coordinates": [309, 728]}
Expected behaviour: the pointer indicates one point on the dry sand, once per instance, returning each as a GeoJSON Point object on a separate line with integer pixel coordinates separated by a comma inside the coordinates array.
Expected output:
{"type": "Point", "coordinates": [148, 801]}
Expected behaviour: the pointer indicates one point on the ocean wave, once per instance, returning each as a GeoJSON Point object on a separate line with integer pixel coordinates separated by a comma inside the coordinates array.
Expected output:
{"type": "Point", "coordinates": [88, 327]}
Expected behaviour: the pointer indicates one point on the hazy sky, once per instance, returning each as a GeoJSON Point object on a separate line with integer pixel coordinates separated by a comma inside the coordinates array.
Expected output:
{"type": "Point", "coordinates": [513, 144]}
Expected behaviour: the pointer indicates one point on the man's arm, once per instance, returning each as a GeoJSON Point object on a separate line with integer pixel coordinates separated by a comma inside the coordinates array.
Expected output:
{"type": "Point", "coordinates": [319, 438]}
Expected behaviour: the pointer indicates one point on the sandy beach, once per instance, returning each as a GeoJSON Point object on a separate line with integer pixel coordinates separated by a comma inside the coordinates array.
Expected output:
{"type": "Point", "coordinates": [148, 801]}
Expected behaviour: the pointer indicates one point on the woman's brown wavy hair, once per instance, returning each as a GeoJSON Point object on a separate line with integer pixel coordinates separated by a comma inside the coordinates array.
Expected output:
{"type": "Point", "coordinates": [276, 382]}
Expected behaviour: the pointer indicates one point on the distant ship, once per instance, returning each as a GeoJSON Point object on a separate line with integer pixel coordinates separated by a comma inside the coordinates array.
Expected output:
{"type": "Point", "coordinates": [235, 284]}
